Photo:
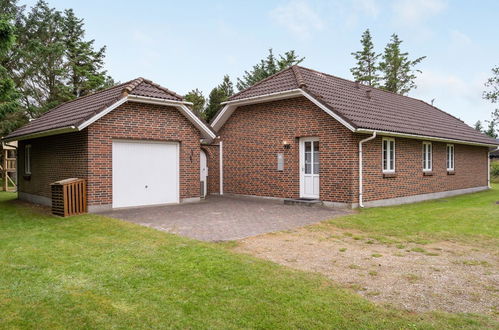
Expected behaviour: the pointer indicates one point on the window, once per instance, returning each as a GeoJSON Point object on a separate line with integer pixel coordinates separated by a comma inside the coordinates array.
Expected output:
{"type": "Point", "coordinates": [27, 159]}
{"type": "Point", "coordinates": [450, 157]}
{"type": "Point", "coordinates": [427, 156]}
{"type": "Point", "coordinates": [388, 155]}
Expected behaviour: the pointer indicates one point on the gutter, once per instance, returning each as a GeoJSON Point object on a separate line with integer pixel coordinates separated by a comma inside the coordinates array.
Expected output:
{"type": "Point", "coordinates": [42, 134]}
{"type": "Point", "coordinates": [422, 137]}
{"type": "Point", "coordinates": [361, 142]}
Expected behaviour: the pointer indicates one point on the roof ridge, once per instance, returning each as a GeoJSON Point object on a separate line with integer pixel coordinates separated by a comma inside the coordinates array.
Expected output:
{"type": "Point", "coordinates": [260, 82]}
{"type": "Point", "coordinates": [132, 84]}
{"type": "Point", "coordinates": [150, 82]}
{"type": "Point", "coordinates": [299, 78]}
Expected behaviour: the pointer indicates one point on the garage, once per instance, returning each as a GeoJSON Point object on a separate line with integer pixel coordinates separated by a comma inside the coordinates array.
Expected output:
{"type": "Point", "coordinates": [145, 173]}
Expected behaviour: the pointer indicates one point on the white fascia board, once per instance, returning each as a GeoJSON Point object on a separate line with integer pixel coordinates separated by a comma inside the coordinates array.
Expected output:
{"type": "Point", "coordinates": [328, 111]}
{"type": "Point", "coordinates": [231, 105]}
{"type": "Point", "coordinates": [101, 114]}
{"type": "Point", "coordinates": [266, 97]}
{"type": "Point", "coordinates": [422, 137]}
{"type": "Point", "coordinates": [54, 131]}
{"type": "Point", "coordinates": [138, 98]}
{"type": "Point", "coordinates": [181, 106]}
{"type": "Point", "coordinates": [222, 117]}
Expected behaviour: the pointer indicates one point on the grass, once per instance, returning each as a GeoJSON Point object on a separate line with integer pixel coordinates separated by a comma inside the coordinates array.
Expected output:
{"type": "Point", "coordinates": [472, 218]}
{"type": "Point", "coordinates": [94, 272]}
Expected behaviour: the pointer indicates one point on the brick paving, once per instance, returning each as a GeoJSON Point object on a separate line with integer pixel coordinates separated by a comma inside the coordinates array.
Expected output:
{"type": "Point", "coordinates": [225, 218]}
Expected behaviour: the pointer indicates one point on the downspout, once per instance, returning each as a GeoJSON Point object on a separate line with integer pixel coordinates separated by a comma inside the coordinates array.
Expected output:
{"type": "Point", "coordinates": [488, 170]}
{"type": "Point", "coordinates": [361, 202]}
{"type": "Point", "coordinates": [221, 180]}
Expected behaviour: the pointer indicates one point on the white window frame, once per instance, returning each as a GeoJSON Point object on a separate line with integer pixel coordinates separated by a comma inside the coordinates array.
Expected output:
{"type": "Point", "coordinates": [450, 157]}
{"type": "Point", "coordinates": [27, 159]}
{"type": "Point", "coordinates": [388, 159]}
{"type": "Point", "coordinates": [427, 156]}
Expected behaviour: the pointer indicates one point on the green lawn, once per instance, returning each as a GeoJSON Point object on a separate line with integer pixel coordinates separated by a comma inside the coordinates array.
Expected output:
{"type": "Point", "coordinates": [95, 272]}
{"type": "Point", "coordinates": [472, 218]}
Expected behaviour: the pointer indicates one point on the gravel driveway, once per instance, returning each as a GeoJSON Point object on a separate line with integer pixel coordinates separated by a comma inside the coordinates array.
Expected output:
{"type": "Point", "coordinates": [223, 218]}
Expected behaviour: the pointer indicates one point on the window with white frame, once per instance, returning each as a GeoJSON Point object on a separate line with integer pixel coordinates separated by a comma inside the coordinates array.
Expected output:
{"type": "Point", "coordinates": [27, 159]}
{"type": "Point", "coordinates": [450, 157]}
{"type": "Point", "coordinates": [388, 155]}
{"type": "Point", "coordinates": [427, 156]}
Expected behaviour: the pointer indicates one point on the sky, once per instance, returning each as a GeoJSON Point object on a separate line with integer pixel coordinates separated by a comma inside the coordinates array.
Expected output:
{"type": "Point", "coordinates": [184, 45]}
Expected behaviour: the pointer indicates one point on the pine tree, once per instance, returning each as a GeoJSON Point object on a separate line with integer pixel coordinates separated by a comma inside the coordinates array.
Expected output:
{"type": "Point", "coordinates": [218, 95]}
{"type": "Point", "coordinates": [52, 62]}
{"type": "Point", "coordinates": [366, 70]}
{"type": "Point", "coordinates": [491, 129]}
{"type": "Point", "coordinates": [84, 64]}
{"type": "Point", "coordinates": [267, 67]}
{"type": "Point", "coordinates": [198, 100]}
{"type": "Point", "coordinates": [9, 106]}
{"type": "Point", "coordinates": [479, 126]}
{"type": "Point", "coordinates": [396, 68]}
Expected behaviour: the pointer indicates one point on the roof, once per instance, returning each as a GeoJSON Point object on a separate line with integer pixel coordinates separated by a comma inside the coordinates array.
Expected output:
{"type": "Point", "coordinates": [76, 112]}
{"type": "Point", "coordinates": [365, 107]}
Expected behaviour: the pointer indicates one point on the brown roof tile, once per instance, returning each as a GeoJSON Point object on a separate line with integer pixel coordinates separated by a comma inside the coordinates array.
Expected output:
{"type": "Point", "coordinates": [75, 112]}
{"type": "Point", "coordinates": [369, 108]}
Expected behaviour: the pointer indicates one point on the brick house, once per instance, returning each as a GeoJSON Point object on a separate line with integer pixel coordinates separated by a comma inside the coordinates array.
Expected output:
{"type": "Point", "coordinates": [306, 134]}
{"type": "Point", "coordinates": [136, 144]}
{"type": "Point", "coordinates": [298, 134]}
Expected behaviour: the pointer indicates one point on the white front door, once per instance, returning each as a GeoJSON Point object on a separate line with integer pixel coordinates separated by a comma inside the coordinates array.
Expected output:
{"type": "Point", "coordinates": [145, 173]}
{"type": "Point", "coordinates": [203, 170]}
{"type": "Point", "coordinates": [309, 168]}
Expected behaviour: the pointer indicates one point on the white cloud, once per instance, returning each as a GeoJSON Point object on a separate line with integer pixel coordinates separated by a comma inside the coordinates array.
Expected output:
{"type": "Point", "coordinates": [366, 7]}
{"type": "Point", "coordinates": [415, 12]}
{"type": "Point", "coordinates": [298, 17]}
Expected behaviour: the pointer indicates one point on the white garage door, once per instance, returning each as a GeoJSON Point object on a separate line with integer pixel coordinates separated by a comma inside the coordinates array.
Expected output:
{"type": "Point", "coordinates": [145, 173]}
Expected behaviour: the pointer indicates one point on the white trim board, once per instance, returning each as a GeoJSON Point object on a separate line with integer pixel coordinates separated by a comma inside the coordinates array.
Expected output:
{"type": "Point", "coordinates": [230, 106]}
{"type": "Point", "coordinates": [181, 106]}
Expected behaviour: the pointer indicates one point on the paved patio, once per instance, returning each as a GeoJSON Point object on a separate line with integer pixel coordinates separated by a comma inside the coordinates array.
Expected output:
{"type": "Point", "coordinates": [223, 218]}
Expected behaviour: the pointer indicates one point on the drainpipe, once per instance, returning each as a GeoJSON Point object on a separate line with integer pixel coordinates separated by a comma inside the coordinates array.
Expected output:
{"type": "Point", "coordinates": [221, 180]}
{"type": "Point", "coordinates": [488, 170]}
{"type": "Point", "coordinates": [361, 202]}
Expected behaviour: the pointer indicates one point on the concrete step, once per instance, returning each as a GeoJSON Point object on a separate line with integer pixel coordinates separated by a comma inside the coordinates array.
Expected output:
{"type": "Point", "coordinates": [303, 202]}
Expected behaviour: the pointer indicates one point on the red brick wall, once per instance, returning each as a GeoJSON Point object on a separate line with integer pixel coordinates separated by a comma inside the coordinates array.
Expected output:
{"type": "Point", "coordinates": [470, 169]}
{"type": "Point", "coordinates": [53, 158]}
{"type": "Point", "coordinates": [253, 136]}
{"type": "Point", "coordinates": [213, 155]}
{"type": "Point", "coordinates": [141, 122]}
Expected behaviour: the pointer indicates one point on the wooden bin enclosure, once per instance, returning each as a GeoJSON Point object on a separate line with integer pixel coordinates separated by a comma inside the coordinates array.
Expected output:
{"type": "Point", "coordinates": [69, 197]}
